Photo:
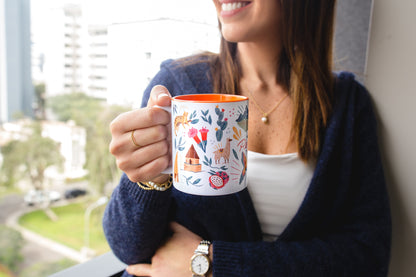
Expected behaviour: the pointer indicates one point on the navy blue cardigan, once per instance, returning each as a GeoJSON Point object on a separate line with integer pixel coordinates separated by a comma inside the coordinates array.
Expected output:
{"type": "Point", "coordinates": [342, 228]}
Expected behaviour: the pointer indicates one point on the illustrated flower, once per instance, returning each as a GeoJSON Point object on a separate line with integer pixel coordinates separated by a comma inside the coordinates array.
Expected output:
{"type": "Point", "coordinates": [193, 133]}
{"type": "Point", "coordinates": [204, 132]}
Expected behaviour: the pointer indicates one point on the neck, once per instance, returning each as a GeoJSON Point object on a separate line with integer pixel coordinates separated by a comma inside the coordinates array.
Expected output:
{"type": "Point", "coordinates": [259, 62]}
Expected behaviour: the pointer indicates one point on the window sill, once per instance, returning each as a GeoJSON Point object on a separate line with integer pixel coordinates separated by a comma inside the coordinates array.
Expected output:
{"type": "Point", "coordinates": [106, 265]}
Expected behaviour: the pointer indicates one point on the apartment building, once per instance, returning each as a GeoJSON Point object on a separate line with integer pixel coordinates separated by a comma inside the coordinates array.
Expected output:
{"type": "Point", "coordinates": [97, 61]}
{"type": "Point", "coordinates": [64, 50]}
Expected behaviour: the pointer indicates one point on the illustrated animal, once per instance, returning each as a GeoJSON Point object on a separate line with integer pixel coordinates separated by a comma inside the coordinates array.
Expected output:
{"type": "Point", "coordinates": [181, 120]}
{"type": "Point", "coordinates": [223, 153]}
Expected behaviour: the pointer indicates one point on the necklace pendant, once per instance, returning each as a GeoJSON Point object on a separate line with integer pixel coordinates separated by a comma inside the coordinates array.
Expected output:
{"type": "Point", "coordinates": [264, 119]}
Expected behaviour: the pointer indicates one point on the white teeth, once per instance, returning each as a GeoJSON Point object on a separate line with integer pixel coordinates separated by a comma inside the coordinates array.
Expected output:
{"type": "Point", "coordinates": [232, 6]}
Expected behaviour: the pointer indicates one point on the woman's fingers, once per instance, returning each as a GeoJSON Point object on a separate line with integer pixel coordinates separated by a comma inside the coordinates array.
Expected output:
{"type": "Point", "coordinates": [177, 228]}
{"type": "Point", "coordinates": [139, 119]}
{"type": "Point", "coordinates": [139, 138]}
{"type": "Point", "coordinates": [139, 269]}
{"type": "Point", "coordinates": [146, 162]}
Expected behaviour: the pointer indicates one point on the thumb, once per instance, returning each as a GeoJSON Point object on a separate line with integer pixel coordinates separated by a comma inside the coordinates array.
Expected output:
{"type": "Point", "coordinates": [159, 96]}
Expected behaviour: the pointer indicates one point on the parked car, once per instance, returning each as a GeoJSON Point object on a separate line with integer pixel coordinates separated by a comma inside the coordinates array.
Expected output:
{"type": "Point", "coordinates": [74, 193]}
{"type": "Point", "coordinates": [34, 197]}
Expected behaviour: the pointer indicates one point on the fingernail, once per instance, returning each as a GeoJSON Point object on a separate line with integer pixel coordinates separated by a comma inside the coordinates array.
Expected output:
{"type": "Point", "coordinates": [160, 96]}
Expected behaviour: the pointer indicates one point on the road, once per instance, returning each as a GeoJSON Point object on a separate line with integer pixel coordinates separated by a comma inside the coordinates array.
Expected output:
{"type": "Point", "coordinates": [32, 251]}
{"type": "Point", "coordinates": [9, 205]}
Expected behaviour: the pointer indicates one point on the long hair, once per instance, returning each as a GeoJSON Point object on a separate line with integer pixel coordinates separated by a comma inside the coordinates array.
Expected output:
{"type": "Point", "coordinates": [304, 70]}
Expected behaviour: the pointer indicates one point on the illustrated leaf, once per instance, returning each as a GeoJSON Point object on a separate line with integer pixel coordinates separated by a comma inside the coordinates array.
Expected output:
{"type": "Point", "coordinates": [210, 120]}
{"type": "Point", "coordinates": [205, 113]}
{"type": "Point", "coordinates": [197, 181]}
{"type": "Point", "coordinates": [241, 179]}
{"type": "Point", "coordinates": [235, 154]}
{"type": "Point", "coordinates": [195, 121]}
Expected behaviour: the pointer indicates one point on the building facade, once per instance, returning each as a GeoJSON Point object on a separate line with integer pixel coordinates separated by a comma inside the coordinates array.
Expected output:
{"type": "Point", "coordinates": [16, 89]}
{"type": "Point", "coordinates": [64, 51]}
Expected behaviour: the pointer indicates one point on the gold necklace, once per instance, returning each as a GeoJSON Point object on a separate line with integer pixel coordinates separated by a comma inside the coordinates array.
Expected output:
{"type": "Point", "coordinates": [265, 118]}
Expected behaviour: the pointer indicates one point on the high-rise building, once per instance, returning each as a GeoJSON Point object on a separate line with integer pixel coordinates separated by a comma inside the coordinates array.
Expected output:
{"type": "Point", "coordinates": [97, 61]}
{"type": "Point", "coordinates": [16, 89]}
{"type": "Point", "coordinates": [64, 51]}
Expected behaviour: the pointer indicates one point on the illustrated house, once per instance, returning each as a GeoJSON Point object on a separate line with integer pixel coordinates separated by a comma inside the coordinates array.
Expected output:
{"type": "Point", "coordinates": [192, 161]}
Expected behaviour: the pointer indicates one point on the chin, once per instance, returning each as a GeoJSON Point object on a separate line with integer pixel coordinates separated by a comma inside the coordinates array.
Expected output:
{"type": "Point", "coordinates": [233, 35]}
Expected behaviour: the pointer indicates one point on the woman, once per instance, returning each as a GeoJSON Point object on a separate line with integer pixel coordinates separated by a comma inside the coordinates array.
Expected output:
{"type": "Point", "coordinates": [316, 203]}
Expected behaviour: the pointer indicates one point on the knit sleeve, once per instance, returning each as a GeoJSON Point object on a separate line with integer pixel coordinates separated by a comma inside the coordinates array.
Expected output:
{"type": "Point", "coordinates": [347, 235]}
{"type": "Point", "coordinates": [135, 221]}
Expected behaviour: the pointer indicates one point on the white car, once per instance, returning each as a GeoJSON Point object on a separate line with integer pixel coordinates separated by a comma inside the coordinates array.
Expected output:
{"type": "Point", "coordinates": [34, 197]}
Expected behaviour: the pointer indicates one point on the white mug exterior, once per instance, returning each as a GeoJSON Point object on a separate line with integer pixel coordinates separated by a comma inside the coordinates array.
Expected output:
{"type": "Point", "coordinates": [209, 146]}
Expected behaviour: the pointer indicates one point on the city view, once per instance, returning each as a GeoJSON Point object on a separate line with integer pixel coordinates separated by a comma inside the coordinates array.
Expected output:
{"type": "Point", "coordinates": [67, 68]}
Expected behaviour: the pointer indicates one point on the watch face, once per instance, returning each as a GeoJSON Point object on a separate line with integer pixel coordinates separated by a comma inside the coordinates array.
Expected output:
{"type": "Point", "coordinates": [200, 264]}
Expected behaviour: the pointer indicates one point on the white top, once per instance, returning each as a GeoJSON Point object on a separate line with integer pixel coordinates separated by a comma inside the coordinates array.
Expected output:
{"type": "Point", "coordinates": [277, 186]}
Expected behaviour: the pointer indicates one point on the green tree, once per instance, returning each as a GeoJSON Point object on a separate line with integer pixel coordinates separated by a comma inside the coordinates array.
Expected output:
{"type": "Point", "coordinates": [100, 163]}
{"type": "Point", "coordinates": [40, 101]}
{"type": "Point", "coordinates": [11, 243]}
{"type": "Point", "coordinates": [94, 115]}
{"type": "Point", "coordinates": [30, 157]}
{"type": "Point", "coordinates": [78, 107]}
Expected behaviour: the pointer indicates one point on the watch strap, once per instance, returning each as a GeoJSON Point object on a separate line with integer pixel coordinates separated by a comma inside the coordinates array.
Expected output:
{"type": "Point", "coordinates": [203, 247]}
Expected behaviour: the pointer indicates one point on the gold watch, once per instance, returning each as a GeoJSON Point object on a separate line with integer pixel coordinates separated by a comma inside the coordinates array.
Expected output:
{"type": "Point", "coordinates": [200, 262]}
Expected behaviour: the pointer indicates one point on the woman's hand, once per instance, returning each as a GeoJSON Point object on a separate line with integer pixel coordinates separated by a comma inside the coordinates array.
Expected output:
{"type": "Point", "coordinates": [173, 258]}
{"type": "Point", "coordinates": [140, 139]}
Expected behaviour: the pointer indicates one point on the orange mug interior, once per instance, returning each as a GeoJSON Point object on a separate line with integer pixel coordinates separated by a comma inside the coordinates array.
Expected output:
{"type": "Point", "coordinates": [210, 98]}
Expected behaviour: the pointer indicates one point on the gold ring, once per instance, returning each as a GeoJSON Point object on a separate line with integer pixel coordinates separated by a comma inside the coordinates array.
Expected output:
{"type": "Point", "coordinates": [134, 140]}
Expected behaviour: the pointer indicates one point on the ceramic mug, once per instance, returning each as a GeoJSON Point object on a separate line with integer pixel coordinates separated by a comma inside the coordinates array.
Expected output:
{"type": "Point", "coordinates": [209, 143]}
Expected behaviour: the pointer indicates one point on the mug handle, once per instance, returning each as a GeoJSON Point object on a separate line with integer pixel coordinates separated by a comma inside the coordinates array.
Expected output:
{"type": "Point", "coordinates": [168, 170]}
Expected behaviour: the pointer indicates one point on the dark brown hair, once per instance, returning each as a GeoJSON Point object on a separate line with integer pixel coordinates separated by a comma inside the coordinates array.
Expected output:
{"type": "Point", "coordinates": [305, 68]}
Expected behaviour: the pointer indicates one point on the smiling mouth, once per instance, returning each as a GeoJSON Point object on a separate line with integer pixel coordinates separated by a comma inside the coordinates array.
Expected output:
{"type": "Point", "coordinates": [226, 7]}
